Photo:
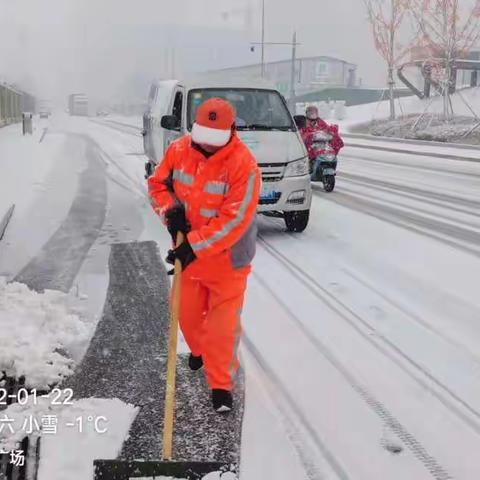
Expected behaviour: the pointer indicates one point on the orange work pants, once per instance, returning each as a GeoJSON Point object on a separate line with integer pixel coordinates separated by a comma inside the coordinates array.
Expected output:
{"type": "Point", "coordinates": [212, 294]}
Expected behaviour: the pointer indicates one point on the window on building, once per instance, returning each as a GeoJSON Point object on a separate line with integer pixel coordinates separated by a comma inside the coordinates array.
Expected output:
{"type": "Point", "coordinates": [321, 71]}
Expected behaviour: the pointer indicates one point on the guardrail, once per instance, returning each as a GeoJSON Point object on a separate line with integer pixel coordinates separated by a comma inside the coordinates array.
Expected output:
{"type": "Point", "coordinates": [6, 218]}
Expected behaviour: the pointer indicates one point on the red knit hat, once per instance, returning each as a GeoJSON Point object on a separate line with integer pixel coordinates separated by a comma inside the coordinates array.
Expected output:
{"type": "Point", "coordinates": [213, 122]}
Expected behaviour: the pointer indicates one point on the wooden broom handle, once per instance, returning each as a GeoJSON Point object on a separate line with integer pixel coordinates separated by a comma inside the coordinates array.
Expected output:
{"type": "Point", "coordinates": [172, 359]}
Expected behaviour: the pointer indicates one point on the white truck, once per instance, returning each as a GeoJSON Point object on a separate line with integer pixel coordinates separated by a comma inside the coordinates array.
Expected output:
{"type": "Point", "coordinates": [263, 123]}
{"type": "Point", "coordinates": [44, 108]}
{"type": "Point", "coordinates": [78, 104]}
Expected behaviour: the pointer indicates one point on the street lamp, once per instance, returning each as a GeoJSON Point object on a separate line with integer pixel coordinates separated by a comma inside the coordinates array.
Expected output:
{"type": "Point", "coordinates": [294, 45]}
{"type": "Point", "coordinates": [262, 43]}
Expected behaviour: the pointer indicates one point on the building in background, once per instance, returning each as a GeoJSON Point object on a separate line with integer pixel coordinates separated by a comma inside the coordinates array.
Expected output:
{"type": "Point", "coordinates": [317, 79]}
{"type": "Point", "coordinates": [311, 74]}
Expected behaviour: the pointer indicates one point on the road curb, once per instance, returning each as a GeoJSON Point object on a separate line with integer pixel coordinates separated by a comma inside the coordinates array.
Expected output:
{"type": "Point", "coordinates": [444, 156]}
{"type": "Point", "coordinates": [410, 141]}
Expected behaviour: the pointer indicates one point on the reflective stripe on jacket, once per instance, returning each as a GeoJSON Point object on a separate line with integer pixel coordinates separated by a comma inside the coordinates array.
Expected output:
{"type": "Point", "coordinates": [220, 195]}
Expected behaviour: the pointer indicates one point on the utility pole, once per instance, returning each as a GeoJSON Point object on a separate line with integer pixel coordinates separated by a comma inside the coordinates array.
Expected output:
{"type": "Point", "coordinates": [294, 45]}
{"type": "Point", "coordinates": [391, 81]}
{"type": "Point", "coordinates": [165, 62]}
{"type": "Point", "coordinates": [292, 73]}
{"type": "Point", "coordinates": [263, 38]}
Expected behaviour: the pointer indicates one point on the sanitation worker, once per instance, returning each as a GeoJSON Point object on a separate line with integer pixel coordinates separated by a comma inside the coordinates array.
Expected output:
{"type": "Point", "coordinates": [207, 186]}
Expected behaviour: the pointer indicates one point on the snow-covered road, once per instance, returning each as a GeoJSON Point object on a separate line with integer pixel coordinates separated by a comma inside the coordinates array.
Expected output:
{"type": "Point", "coordinates": [361, 334]}
{"type": "Point", "coordinates": [368, 323]}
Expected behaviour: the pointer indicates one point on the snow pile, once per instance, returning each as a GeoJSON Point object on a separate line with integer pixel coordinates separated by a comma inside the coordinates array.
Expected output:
{"type": "Point", "coordinates": [42, 334]}
{"type": "Point", "coordinates": [462, 102]}
{"type": "Point", "coordinates": [85, 430]}
{"type": "Point", "coordinates": [431, 127]}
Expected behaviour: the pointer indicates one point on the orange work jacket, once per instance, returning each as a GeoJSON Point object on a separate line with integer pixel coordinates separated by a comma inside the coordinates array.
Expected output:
{"type": "Point", "coordinates": [220, 194]}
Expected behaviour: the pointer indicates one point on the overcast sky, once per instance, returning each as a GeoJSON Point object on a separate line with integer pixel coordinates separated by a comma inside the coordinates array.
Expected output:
{"type": "Point", "coordinates": [108, 47]}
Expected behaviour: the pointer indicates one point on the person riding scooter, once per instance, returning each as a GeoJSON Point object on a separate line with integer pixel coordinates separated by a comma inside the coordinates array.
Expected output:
{"type": "Point", "coordinates": [315, 124]}
{"type": "Point", "coordinates": [323, 144]}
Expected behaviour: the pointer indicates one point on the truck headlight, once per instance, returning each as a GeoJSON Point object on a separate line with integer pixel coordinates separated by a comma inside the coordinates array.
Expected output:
{"type": "Point", "coordinates": [297, 168]}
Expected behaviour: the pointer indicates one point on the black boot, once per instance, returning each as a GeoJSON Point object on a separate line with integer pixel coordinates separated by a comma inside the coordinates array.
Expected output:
{"type": "Point", "coordinates": [195, 363]}
{"type": "Point", "coordinates": [222, 400]}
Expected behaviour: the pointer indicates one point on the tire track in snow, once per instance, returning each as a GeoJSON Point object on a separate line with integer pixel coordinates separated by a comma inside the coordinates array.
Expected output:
{"type": "Point", "coordinates": [438, 199]}
{"type": "Point", "coordinates": [388, 419]}
{"type": "Point", "coordinates": [451, 235]}
{"type": "Point", "coordinates": [398, 203]}
{"type": "Point", "coordinates": [415, 318]}
{"type": "Point", "coordinates": [139, 187]}
{"type": "Point", "coordinates": [137, 128]}
{"type": "Point", "coordinates": [59, 260]}
{"type": "Point", "coordinates": [386, 346]}
{"type": "Point", "coordinates": [120, 127]}
{"type": "Point", "coordinates": [279, 392]}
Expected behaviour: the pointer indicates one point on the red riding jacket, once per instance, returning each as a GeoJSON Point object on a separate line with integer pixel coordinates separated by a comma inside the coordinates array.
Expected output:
{"type": "Point", "coordinates": [314, 126]}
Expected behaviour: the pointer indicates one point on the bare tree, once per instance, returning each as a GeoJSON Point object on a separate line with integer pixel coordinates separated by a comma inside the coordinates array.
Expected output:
{"type": "Point", "coordinates": [450, 28]}
{"type": "Point", "coordinates": [386, 18]}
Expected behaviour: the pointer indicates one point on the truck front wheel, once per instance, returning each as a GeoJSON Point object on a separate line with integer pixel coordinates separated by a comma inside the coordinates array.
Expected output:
{"type": "Point", "coordinates": [296, 221]}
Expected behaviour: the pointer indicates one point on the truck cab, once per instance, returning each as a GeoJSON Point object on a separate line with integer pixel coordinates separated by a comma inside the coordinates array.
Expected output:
{"type": "Point", "coordinates": [264, 124]}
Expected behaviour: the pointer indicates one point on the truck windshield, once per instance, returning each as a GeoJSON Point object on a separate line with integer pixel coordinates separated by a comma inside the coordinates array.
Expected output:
{"type": "Point", "coordinates": [256, 109]}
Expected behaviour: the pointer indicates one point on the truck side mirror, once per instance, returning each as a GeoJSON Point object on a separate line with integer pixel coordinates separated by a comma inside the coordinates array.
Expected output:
{"type": "Point", "coordinates": [300, 120]}
{"type": "Point", "coordinates": [169, 122]}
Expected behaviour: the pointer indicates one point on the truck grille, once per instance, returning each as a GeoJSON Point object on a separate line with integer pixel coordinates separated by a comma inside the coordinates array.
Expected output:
{"type": "Point", "coordinates": [272, 172]}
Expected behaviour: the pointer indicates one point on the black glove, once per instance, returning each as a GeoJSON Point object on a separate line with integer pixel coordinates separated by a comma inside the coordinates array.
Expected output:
{"type": "Point", "coordinates": [184, 253]}
{"type": "Point", "coordinates": [176, 221]}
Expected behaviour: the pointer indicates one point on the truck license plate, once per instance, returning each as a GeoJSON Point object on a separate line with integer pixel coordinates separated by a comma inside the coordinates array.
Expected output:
{"type": "Point", "coordinates": [268, 192]}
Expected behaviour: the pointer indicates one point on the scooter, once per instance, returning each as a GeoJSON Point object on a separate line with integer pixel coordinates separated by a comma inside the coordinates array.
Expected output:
{"type": "Point", "coordinates": [324, 166]}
